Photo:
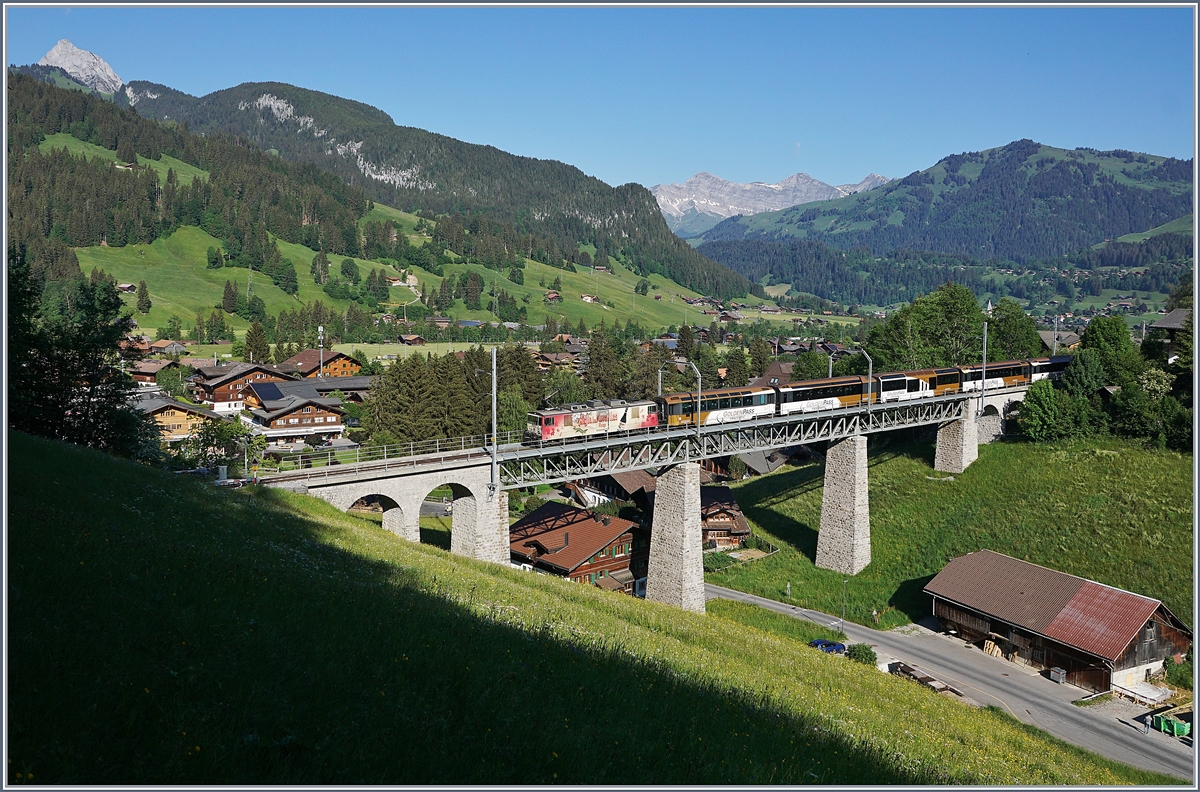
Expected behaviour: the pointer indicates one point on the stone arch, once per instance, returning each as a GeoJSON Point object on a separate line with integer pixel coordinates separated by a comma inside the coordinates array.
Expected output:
{"type": "Point", "coordinates": [479, 526]}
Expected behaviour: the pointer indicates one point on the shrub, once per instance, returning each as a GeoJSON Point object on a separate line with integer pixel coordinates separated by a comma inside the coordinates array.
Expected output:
{"type": "Point", "coordinates": [533, 502]}
{"type": "Point", "coordinates": [1179, 674]}
{"type": "Point", "coordinates": [862, 653]}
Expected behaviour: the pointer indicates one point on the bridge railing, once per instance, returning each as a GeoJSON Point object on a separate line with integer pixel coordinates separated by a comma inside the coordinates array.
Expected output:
{"type": "Point", "coordinates": [381, 453]}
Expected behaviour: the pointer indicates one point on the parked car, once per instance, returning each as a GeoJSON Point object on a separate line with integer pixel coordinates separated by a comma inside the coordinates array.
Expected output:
{"type": "Point", "coordinates": [832, 647]}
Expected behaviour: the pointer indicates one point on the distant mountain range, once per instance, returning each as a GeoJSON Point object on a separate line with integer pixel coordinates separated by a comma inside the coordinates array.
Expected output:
{"type": "Point", "coordinates": [1021, 201]}
{"type": "Point", "coordinates": [704, 200]}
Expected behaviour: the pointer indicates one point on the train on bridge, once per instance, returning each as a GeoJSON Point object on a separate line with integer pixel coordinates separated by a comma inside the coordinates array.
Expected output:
{"type": "Point", "coordinates": [731, 405]}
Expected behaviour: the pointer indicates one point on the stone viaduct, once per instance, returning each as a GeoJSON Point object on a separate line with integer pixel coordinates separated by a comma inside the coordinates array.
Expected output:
{"type": "Point", "coordinates": [676, 574]}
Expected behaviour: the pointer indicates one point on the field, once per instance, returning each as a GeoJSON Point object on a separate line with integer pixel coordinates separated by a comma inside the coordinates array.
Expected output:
{"type": "Point", "coordinates": [269, 639]}
{"type": "Point", "coordinates": [176, 272]}
{"type": "Point", "coordinates": [183, 171]}
{"type": "Point", "coordinates": [1107, 510]}
{"type": "Point", "coordinates": [1180, 225]}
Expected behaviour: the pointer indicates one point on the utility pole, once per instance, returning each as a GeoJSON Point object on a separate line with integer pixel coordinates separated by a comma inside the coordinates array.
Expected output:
{"type": "Point", "coordinates": [321, 350]}
{"type": "Point", "coordinates": [983, 372]}
{"type": "Point", "coordinates": [870, 383]}
{"type": "Point", "coordinates": [495, 431]}
{"type": "Point", "coordinates": [1054, 351]}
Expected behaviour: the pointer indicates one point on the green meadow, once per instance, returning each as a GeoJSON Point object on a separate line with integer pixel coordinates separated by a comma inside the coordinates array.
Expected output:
{"type": "Point", "coordinates": [78, 148]}
{"type": "Point", "coordinates": [1103, 509]}
{"type": "Point", "coordinates": [261, 637]}
{"type": "Point", "coordinates": [176, 272]}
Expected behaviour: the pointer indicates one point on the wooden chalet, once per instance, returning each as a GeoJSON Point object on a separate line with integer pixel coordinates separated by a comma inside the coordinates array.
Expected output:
{"type": "Point", "coordinates": [323, 363]}
{"type": "Point", "coordinates": [176, 421]}
{"type": "Point", "coordinates": [722, 524]}
{"type": "Point", "coordinates": [412, 339]}
{"type": "Point", "coordinates": [290, 413]}
{"type": "Point", "coordinates": [135, 344]}
{"type": "Point", "coordinates": [1065, 340]}
{"type": "Point", "coordinates": [548, 361]}
{"type": "Point", "coordinates": [167, 347]}
{"type": "Point", "coordinates": [1104, 638]}
{"type": "Point", "coordinates": [146, 371]}
{"type": "Point", "coordinates": [222, 388]}
{"type": "Point", "coordinates": [582, 546]}
{"type": "Point", "coordinates": [1173, 323]}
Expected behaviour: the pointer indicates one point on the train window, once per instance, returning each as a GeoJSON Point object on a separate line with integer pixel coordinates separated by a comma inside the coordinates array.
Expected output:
{"type": "Point", "coordinates": [676, 409]}
{"type": "Point", "coordinates": [747, 401]}
{"type": "Point", "coordinates": [947, 379]}
{"type": "Point", "coordinates": [893, 385]}
{"type": "Point", "coordinates": [914, 385]}
{"type": "Point", "coordinates": [724, 403]}
{"type": "Point", "coordinates": [547, 422]}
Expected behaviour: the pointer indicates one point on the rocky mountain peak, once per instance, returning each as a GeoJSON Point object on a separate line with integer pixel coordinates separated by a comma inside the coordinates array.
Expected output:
{"type": "Point", "coordinates": [85, 67]}
{"type": "Point", "coordinates": [705, 199]}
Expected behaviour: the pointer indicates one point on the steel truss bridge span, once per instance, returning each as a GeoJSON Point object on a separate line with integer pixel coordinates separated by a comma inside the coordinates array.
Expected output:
{"type": "Point", "coordinates": [551, 462]}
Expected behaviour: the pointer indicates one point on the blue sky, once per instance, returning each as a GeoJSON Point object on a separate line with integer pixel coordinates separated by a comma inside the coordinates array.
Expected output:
{"type": "Point", "coordinates": [655, 95]}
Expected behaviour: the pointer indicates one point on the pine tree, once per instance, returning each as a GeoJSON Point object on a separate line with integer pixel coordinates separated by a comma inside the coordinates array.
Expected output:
{"type": "Point", "coordinates": [687, 342]}
{"type": "Point", "coordinates": [230, 298]}
{"type": "Point", "coordinates": [198, 328]}
{"type": "Point", "coordinates": [605, 373]}
{"type": "Point", "coordinates": [736, 373]}
{"type": "Point", "coordinates": [256, 348]}
{"type": "Point", "coordinates": [760, 356]}
{"type": "Point", "coordinates": [143, 298]}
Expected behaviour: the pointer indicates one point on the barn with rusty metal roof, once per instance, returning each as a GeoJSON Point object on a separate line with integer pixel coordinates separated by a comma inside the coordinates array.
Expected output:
{"type": "Point", "coordinates": [1102, 637]}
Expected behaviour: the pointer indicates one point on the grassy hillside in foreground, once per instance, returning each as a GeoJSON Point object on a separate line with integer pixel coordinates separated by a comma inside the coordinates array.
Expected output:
{"type": "Point", "coordinates": [1107, 510]}
{"type": "Point", "coordinates": [212, 637]}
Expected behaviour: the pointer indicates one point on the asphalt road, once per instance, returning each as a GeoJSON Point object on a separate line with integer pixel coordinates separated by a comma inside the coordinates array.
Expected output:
{"type": "Point", "coordinates": [433, 508]}
{"type": "Point", "coordinates": [1110, 731]}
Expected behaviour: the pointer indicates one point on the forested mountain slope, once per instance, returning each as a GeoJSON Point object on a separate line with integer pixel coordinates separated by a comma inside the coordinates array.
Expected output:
{"type": "Point", "coordinates": [1021, 201]}
{"type": "Point", "coordinates": [413, 169]}
{"type": "Point", "coordinates": [858, 277]}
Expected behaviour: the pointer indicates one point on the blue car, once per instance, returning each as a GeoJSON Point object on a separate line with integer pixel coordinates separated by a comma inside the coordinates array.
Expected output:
{"type": "Point", "coordinates": [832, 647]}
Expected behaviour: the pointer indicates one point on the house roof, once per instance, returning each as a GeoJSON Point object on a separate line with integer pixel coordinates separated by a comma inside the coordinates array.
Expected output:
{"type": "Point", "coordinates": [1174, 320]}
{"type": "Point", "coordinates": [635, 481]}
{"type": "Point", "coordinates": [152, 366]}
{"type": "Point", "coordinates": [164, 343]}
{"type": "Point", "coordinates": [1065, 339]}
{"type": "Point", "coordinates": [781, 372]}
{"type": "Point", "coordinates": [281, 397]}
{"type": "Point", "coordinates": [153, 405]}
{"type": "Point", "coordinates": [563, 536]}
{"type": "Point", "coordinates": [310, 359]}
{"type": "Point", "coordinates": [216, 375]}
{"type": "Point", "coordinates": [1097, 619]}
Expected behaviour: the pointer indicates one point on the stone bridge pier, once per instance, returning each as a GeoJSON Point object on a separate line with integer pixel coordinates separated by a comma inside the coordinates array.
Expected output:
{"type": "Point", "coordinates": [479, 521]}
{"type": "Point", "coordinates": [676, 570]}
{"type": "Point", "coordinates": [844, 540]}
